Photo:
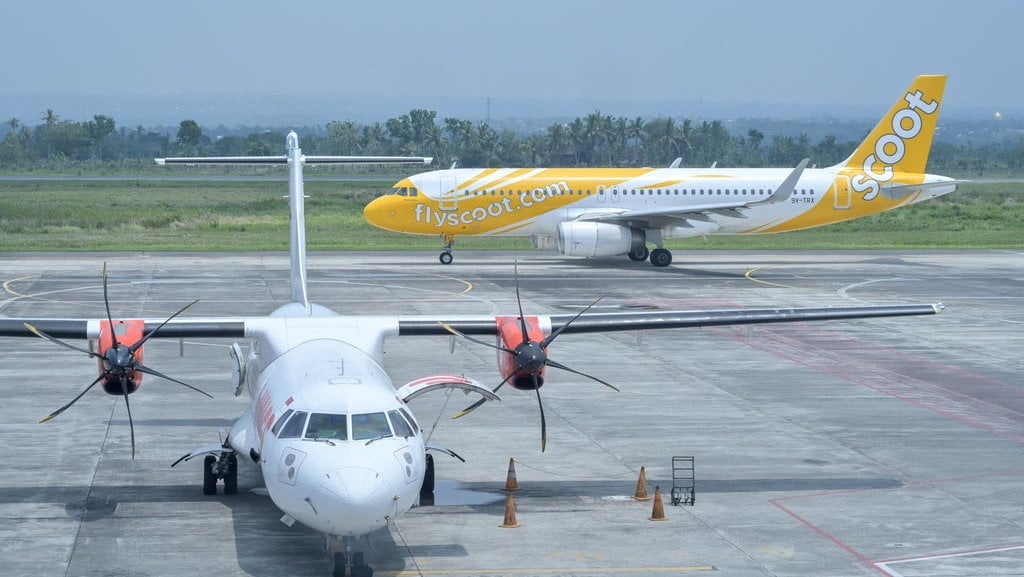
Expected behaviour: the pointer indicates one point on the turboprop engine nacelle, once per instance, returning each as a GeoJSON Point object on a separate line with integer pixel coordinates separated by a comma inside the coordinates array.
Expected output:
{"type": "Point", "coordinates": [597, 239]}
{"type": "Point", "coordinates": [525, 369]}
{"type": "Point", "coordinates": [125, 334]}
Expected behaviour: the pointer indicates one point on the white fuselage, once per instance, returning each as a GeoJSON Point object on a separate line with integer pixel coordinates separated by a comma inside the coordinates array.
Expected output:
{"type": "Point", "coordinates": [339, 451]}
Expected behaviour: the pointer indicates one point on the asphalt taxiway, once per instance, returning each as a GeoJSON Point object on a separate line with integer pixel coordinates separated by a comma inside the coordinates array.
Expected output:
{"type": "Point", "coordinates": [889, 446]}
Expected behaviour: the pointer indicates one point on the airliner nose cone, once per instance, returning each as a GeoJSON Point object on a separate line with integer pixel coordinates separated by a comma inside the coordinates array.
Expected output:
{"type": "Point", "coordinates": [352, 501]}
{"type": "Point", "coordinates": [352, 484]}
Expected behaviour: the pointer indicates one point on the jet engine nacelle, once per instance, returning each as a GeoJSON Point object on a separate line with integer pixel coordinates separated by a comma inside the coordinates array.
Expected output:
{"type": "Point", "coordinates": [126, 333]}
{"type": "Point", "coordinates": [518, 369]}
{"type": "Point", "coordinates": [597, 239]}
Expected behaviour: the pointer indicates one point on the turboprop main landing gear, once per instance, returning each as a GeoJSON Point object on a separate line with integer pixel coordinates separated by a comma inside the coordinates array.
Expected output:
{"type": "Point", "coordinates": [225, 467]}
{"type": "Point", "coordinates": [446, 255]}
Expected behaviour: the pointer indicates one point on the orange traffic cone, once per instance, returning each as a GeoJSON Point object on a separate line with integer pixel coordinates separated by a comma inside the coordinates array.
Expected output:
{"type": "Point", "coordinates": [510, 514]}
{"type": "Point", "coordinates": [658, 512]}
{"type": "Point", "coordinates": [641, 487]}
{"type": "Point", "coordinates": [510, 481]}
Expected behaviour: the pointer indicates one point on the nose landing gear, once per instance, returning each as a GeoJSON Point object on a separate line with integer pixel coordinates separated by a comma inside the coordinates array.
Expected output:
{"type": "Point", "coordinates": [446, 255]}
{"type": "Point", "coordinates": [354, 562]}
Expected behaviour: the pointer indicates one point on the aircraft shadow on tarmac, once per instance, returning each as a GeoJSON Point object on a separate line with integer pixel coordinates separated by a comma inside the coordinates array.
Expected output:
{"type": "Point", "coordinates": [266, 547]}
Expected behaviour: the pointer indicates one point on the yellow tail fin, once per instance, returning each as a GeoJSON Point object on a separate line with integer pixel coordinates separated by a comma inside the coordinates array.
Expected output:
{"type": "Point", "coordinates": [901, 141]}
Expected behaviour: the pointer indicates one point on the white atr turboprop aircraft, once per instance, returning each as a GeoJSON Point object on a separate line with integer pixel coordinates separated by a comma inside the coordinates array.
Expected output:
{"type": "Point", "coordinates": [594, 212]}
{"type": "Point", "coordinates": [338, 447]}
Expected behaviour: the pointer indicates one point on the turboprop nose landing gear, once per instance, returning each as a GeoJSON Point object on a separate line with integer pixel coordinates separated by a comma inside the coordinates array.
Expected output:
{"type": "Point", "coordinates": [346, 559]}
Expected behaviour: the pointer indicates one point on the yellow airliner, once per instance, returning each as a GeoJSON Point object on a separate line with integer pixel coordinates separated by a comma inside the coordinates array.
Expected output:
{"type": "Point", "coordinates": [611, 211]}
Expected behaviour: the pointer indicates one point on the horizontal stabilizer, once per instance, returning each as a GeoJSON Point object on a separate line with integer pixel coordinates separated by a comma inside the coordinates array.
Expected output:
{"type": "Point", "coordinates": [898, 191]}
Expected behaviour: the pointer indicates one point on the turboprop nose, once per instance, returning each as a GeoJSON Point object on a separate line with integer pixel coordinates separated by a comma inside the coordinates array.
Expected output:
{"type": "Point", "coordinates": [355, 493]}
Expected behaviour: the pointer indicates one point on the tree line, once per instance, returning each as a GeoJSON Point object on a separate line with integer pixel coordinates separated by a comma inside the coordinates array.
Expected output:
{"type": "Point", "coordinates": [593, 140]}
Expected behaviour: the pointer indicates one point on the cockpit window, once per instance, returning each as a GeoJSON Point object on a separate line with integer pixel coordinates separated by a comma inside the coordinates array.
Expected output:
{"type": "Point", "coordinates": [403, 191]}
{"type": "Point", "coordinates": [280, 421]}
{"type": "Point", "coordinates": [370, 426]}
{"type": "Point", "coordinates": [409, 418]}
{"type": "Point", "coordinates": [327, 426]}
{"type": "Point", "coordinates": [293, 428]}
{"type": "Point", "coordinates": [401, 426]}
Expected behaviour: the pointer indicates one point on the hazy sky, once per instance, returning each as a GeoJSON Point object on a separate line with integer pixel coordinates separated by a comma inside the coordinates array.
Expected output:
{"type": "Point", "coordinates": [858, 53]}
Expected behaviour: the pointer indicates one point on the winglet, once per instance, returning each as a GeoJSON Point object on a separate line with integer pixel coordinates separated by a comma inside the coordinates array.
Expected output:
{"type": "Point", "coordinates": [785, 189]}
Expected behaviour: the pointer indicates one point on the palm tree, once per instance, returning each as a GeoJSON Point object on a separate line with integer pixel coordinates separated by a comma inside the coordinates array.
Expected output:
{"type": "Point", "coordinates": [577, 136]}
{"type": "Point", "coordinates": [50, 118]}
{"type": "Point", "coordinates": [556, 143]}
{"type": "Point", "coordinates": [637, 129]}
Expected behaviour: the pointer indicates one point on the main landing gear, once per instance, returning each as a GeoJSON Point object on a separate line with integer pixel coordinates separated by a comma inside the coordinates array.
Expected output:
{"type": "Point", "coordinates": [223, 468]}
{"type": "Point", "coordinates": [659, 257]}
{"type": "Point", "coordinates": [446, 255]}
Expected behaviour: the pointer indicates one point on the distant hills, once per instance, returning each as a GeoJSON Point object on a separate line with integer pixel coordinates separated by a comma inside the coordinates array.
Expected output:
{"type": "Point", "coordinates": [225, 113]}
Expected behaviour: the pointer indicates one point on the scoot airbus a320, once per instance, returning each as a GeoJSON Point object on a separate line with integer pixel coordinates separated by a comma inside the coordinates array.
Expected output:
{"type": "Point", "coordinates": [337, 445]}
{"type": "Point", "coordinates": [595, 212]}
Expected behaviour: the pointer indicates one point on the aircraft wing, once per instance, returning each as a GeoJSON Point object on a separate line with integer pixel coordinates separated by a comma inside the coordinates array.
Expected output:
{"type": "Point", "coordinates": [633, 321]}
{"type": "Point", "coordinates": [682, 215]}
{"type": "Point", "coordinates": [423, 325]}
{"type": "Point", "coordinates": [181, 328]}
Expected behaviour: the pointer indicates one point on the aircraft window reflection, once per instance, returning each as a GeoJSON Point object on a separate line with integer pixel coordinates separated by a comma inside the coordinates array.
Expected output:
{"type": "Point", "coordinates": [402, 428]}
{"type": "Point", "coordinates": [293, 428]}
{"type": "Point", "coordinates": [327, 426]}
{"type": "Point", "coordinates": [370, 426]}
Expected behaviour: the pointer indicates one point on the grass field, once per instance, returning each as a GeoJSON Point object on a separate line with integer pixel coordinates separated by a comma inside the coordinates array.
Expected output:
{"type": "Point", "coordinates": [252, 215]}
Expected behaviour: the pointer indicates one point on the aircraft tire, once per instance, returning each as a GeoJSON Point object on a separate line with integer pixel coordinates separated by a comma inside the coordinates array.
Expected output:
{"type": "Point", "coordinates": [339, 565]}
{"type": "Point", "coordinates": [428, 477]}
{"type": "Point", "coordinates": [639, 255]}
{"type": "Point", "coordinates": [231, 478]}
{"type": "Point", "coordinates": [209, 479]}
{"type": "Point", "coordinates": [445, 258]}
{"type": "Point", "coordinates": [661, 257]}
{"type": "Point", "coordinates": [359, 566]}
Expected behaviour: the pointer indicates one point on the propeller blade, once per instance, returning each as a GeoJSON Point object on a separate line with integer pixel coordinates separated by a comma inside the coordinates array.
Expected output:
{"type": "Point", "coordinates": [55, 340]}
{"type": "Point", "coordinates": [143, 340]}
{"type": "Point", "coordinates": [128, 407]}
{"type": "Point", "coordinates": [73, 401]}
{"type": "Point", "coordinates": [477, 404]}
{"type": "Point", "coordinates": [558, 365]}
{"type": "Point", "coordinates": [456, 332]}
{"type": "Point", "coordinates": [106, 303]}
{"type": "Point", "coordinates": [156, 373]}
{"type": "Point", "coordinates": [522, 320]}
{"type": "Point", "coordinates": [543, 422]}
{"type": "Point", "coordinates": [554, 334]}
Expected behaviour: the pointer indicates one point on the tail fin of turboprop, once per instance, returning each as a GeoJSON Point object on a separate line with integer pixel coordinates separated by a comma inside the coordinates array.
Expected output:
{"type": "Point", "coordinates": [295, 161]}
{"type": "Point", "coordinates": [901, 140]}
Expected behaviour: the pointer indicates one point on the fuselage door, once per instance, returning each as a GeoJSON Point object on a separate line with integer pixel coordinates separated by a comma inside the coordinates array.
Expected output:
{"type": "Point", "coordinates": [843, 197]}
{"type": "Point", "coordinates": [447, 199]}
